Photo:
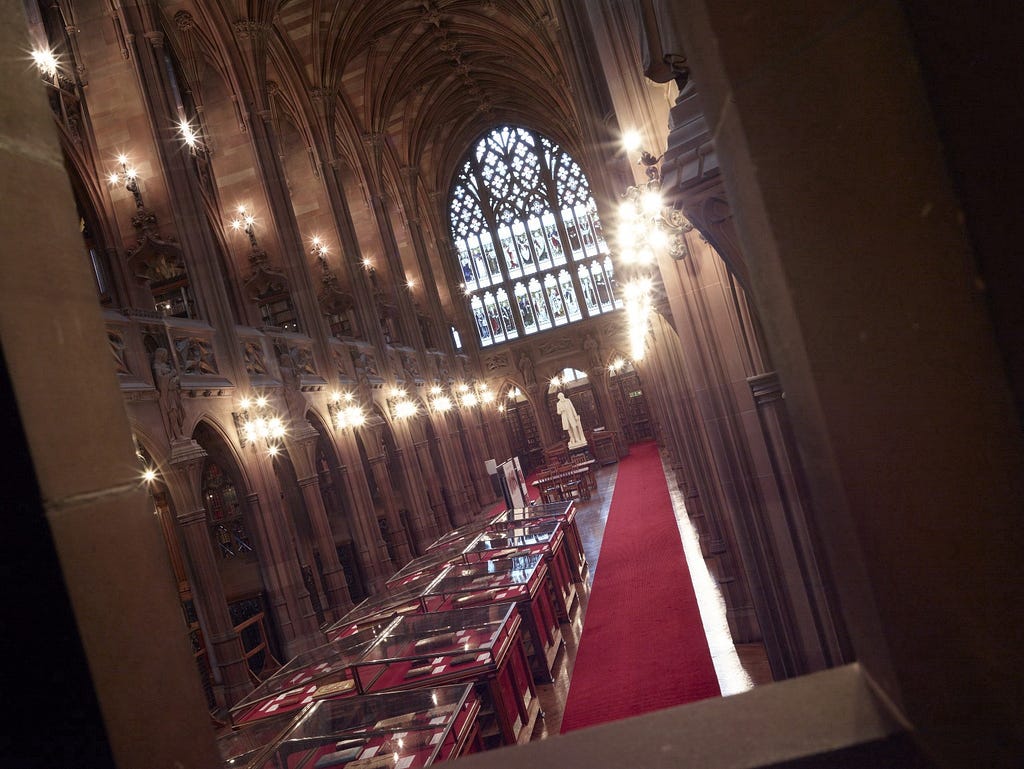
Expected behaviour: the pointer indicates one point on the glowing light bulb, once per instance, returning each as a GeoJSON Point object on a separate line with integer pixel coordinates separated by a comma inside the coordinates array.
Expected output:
{"type": "Point", "coordinates": [45, 61]}
{"type": "Point", "coordinates": [631, 140]}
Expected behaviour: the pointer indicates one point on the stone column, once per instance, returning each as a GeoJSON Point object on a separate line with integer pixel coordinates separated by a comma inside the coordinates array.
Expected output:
{"type": "Point", "coordinates": [231, 672]}
{"type": "Point", "coordinates": [460, 509]}
{"type": "Point", "coordinates": [473, 432]}
{"type": "Point", "coordinates": [424, 530]}
{"type": "Point", "coordinates": [396, 529]}
{"type": "Point", "coordinates": [282, 571]}
{"type": "Point", "coordinates": [302, 450]}
{"type": "Point", "coordinates": [373, 550]}
{"type": "Point", "coordinates": [428, 472]}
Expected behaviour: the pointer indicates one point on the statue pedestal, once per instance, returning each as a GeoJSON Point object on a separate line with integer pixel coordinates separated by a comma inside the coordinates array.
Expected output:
{"type": "Point", "coordinates": [582, 450]}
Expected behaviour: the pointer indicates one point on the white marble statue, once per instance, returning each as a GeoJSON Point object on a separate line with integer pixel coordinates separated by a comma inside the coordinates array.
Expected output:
{"type": "Point", "coordinates": [571, 422]}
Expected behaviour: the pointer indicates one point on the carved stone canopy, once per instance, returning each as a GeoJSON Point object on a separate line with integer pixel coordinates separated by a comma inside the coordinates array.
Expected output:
{"type": "Point", "coordinates": [154, 258]}
{"type": "Point", "coordinates": [332, 299]}
{"type": "Point", "coordinates": [264, 281]}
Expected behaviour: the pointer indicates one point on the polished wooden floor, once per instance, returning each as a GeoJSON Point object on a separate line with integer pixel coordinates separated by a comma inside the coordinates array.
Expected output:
{"type": "Point", "coordinates": [739, 667]}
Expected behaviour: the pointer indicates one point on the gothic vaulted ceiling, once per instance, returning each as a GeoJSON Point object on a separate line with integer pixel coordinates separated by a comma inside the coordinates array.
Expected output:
{"type": "Point", "coordinates": [394, 90]}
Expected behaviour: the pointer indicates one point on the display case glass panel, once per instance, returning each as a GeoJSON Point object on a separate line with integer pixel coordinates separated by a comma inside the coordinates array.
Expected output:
{"type": "Point", "coordinates": [450, 645]}
{"type": "Point", "coordinates": [462, 532]}
{"type": "Point", "coordinates": [404, 599]}
{"type": "Point", "coordinates": [535, 537]}
{"type": "Point", "coordinates": [395, 730]}
{"type": "Point", "coordinates": [324, 671]}
{"type": "Point", "coordinates": [239, 747]}
{"type": "Point", "coordinates": [499, 579]}
{"type": "Point", "coordinates": [432, 560]}
{"type": "Point", "coordinates": [538, 511]}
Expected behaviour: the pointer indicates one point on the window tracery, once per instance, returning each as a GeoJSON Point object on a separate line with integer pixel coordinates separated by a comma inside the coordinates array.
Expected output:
{"type": "Point", "coordinates": [527, 238]}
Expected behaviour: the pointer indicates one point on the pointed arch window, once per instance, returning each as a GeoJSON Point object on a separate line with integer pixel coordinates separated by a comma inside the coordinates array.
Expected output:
{"type": "Point", "coordinates": [527, 237]}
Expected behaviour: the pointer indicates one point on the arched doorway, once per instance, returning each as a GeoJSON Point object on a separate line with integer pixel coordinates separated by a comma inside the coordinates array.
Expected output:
{"type": "Point", "coordinates": [236, 550]}
{"type": "Point", "coordinates": [578, 388]}
{"type": "Point", "coordinates": [630, 403]}
{"type": "Point", "coordinates": [524, 436]}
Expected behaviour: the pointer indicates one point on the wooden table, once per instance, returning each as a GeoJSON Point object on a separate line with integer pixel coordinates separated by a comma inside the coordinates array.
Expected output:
{"type": "Point", "coordinates": [582, 471]}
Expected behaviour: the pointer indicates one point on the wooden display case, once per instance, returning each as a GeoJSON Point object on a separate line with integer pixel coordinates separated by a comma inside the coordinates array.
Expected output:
{"type": "Point", "coordinates": [481, 644]}
{"type": "Point", "coordinates": [544, 537]}
{"type": "Point", "coordinates": [521, 579]}
{"type": "Point", "coordinates": [564, 511]}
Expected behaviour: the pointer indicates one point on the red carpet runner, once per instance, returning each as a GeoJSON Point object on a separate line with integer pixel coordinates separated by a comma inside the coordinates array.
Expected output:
{"type": "Point", "coordinates": [643, 646]}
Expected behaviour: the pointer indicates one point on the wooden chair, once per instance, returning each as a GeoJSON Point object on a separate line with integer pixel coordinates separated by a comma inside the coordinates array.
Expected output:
{"type": "Point", "coordinates": [551, 492]}
{"type": "Point", "coordinates": [556, 454]}
{"type": "Point", "coordinates": [575, 489]}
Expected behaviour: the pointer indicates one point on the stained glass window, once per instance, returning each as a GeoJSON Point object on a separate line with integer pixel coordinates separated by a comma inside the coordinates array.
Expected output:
{"type": "Point", "coordinates": [527, 238]}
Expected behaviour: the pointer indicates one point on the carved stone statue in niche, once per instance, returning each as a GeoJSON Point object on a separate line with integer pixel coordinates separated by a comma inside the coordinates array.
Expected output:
{"type": "Point", "coordinates": [168, 387]}
{"type": "Point", "coordinates": [410, 366]}
{"type": "Point", "coordinates": [303, 361]}
{"type": "Point", "coordinates": [365, 367]}
{"type": "Point", "coordinates": [526, 369]}
{"type": "Point", "coordinates": [339, 363]}
{"type": "Point", "coordinates": [593, 350]}
{"type": "Point", "coordinates": [292, 387]}
{"type": "Point", "coordinates": [117, 348]}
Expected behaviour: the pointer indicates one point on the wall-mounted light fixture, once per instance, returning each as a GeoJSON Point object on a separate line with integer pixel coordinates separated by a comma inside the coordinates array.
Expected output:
{"type": "Point", "coordinates": [345, 411]}
{"type": "Point", "coordinates": [246, 222]}
{"type": "Point", "coordinates": [439, 400]}
{"type": "Point", "coordinates": [402, 407]}
{"type": "Point", "coordinates": [258, 424]}
{"type": "Point", "coordinates": [318, 248]}
{"type": "Point", "coordinates": [190, 136]}
{"type": "Point", "coordinates": [46, 62]}
{"type": "Point", "coordinates": [646, 225]}
{"type": "Point", "coordinates": [128, 176]}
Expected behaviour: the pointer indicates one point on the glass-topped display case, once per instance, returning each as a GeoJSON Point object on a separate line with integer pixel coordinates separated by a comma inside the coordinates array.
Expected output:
{"type": "Point", "coordinates": [241, 745]}
{"type": "Point", "coordinates": [491, 581]}
{"type": "Point", "coordinates": [431, 561]}
{"type": "Point", "coordinates": [500, 538]}
{"type": "Point", "coordinates": [521, 579]}
{"type": "Point", "coordinates": [545, 536]}
{"type": "Point", "coordinates": [320, 672]}
{"type": "Point", "coordinates": [436, 646]}
{"type": "Point", "coordinates": [464, 531]}
{"type": "Point", "coordinates": [482, 644]}
{"type": "Point", "coordinates": [395, 730]}
{"type": "Point", "coordinates": [409, 598]}
{"type": "Point", "coordinates": [564, 511]}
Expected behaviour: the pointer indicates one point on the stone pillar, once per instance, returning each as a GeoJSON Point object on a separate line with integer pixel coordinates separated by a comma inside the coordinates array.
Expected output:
{"type": "Point", "coordinates": [301, 443]}
{"type": "Point", "coordinates": [472, 430]}
{"type": "Point", "coordinates": [424, 529]}
{"type": "Point", "coordinates": [872, 299]}
{"type": "Point", "coordinates": [461, 510]}
{"type": "Point", "coordinates": [282, 571]}
{"type": "Point", "coordinates": [373, 550]}
{"type": "Point", "coordinates": [396, 529]}
{"type": "Point", "coordinates": [231, 672]}
{"type": "Point", "coordinates": [428, 472]}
